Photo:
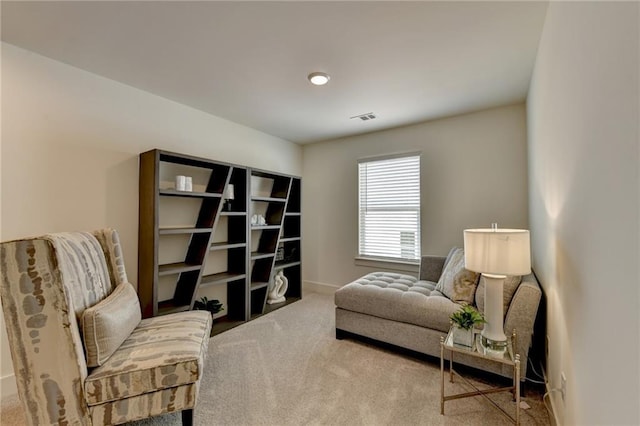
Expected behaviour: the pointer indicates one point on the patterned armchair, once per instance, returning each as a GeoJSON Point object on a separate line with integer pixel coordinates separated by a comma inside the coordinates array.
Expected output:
{"type": "Point", "coordinates": [80, 352]}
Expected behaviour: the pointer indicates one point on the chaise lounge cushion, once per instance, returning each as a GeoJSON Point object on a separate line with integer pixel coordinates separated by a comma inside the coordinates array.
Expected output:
{"type": "Point", "coordinates": [397, 297]}
{"type": "Point", "coordinates": [162, 352]}
{"type": "Point", "coordinates": [386, 310]}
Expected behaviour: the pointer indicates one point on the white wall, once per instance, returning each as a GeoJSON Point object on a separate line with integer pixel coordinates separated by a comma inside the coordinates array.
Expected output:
{"type": "Point", "coordinates": [7, 383]}
{"type": "Point", "coordinates": [583, 160]}
{"type": "Point", "coordinates": [473, 172]}
{"type": "Point", "coordinates": [70, 149]}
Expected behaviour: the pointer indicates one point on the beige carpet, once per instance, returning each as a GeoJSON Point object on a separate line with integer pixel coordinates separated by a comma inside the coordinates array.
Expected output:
{"type": "Point", "coordinates": [287, 368]}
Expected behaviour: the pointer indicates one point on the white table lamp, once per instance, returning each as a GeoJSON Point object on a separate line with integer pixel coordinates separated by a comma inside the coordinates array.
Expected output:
{"type": "Point", "coordinates": [496, 253]}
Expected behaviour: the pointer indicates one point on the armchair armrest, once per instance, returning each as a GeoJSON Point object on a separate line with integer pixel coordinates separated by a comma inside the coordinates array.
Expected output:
{"type": "Point", "coordinates": [521, 316]}
{"type": "Point", "coordinates": [431, 268]}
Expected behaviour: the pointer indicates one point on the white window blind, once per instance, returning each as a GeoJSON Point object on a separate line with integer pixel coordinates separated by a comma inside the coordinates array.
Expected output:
{"type": "Point", "coordinates": [389, 207]}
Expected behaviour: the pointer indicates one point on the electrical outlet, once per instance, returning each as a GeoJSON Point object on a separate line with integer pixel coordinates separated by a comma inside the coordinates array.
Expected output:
{"type": "Point", "coordinates": [563, 385]}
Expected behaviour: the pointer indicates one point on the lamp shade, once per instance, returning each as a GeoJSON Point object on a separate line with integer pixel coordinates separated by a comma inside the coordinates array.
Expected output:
{"type": "Point", "coordinates": [229, 194]}
{"type": "Point", "coordinates": [497, 251]}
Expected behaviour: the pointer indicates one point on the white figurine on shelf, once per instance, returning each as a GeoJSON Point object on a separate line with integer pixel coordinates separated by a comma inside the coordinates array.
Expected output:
{"type": "Point", "coordinates": [258, 220]}
{"type": "Point", "coordinates": [278, 289]}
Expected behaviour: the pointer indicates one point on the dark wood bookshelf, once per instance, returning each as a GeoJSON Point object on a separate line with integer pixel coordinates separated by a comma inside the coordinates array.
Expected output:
{"type": "Point", "coordinates": [250, 266]}
{"type": "Point", "coordinates": [226, 246]}
{"type": "Point", "coordinates": [176, 193]}
{"type": "Point", "coordinates": [176, 268]}
{"type": "Point", "coordinates": [257, 255]}
{"type": "Point", "coordinates": [179, 230]}
{"type": "Point", "coordinates": [221, 278]}
{"type": "Point", "coordinates": [170, 307]}
{"type": "Point", "coordinates": [282, 230]}
{"type": "Point", "coordinates": [288, 301]}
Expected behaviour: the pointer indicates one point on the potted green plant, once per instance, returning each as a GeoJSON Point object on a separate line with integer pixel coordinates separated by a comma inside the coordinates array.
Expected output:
{"type": "Point", "coordinates": [464, 320]}
{"type": "Point", "coordinates": [204, 304]}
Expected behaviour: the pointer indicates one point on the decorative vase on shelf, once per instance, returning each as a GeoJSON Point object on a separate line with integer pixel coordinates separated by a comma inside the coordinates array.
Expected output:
{"type": "Point", "coordinates": [181, 183]}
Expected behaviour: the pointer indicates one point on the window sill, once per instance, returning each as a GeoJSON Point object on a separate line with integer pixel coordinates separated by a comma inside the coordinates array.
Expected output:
{"type": "Point", "coordinates": [388, 264]}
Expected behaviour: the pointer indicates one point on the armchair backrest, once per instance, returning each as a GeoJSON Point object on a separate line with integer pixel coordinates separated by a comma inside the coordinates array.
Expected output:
{"type": "Point", "coordinates": [110, 242]}
{"type": "Point", "coordinates": [45, 284]}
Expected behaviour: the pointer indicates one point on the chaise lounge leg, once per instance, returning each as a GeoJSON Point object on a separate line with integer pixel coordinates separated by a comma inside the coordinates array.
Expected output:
{"type": "Point", "coordinates": [187, 417]}
{"type": "Point", "coordinates": [340, 334]}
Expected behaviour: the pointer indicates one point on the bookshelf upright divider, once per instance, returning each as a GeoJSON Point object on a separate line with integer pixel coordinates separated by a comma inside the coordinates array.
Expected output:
{"type": "Point", "coordinates": [196, 243]}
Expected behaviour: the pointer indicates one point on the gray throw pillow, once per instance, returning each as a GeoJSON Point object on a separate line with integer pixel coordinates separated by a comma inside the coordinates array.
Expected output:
{"type": "Point", "coordinates": [456, 282]}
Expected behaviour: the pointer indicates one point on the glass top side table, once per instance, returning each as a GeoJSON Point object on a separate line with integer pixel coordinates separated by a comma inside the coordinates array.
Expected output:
{"type": "Point", "coordinates": [507, 357]}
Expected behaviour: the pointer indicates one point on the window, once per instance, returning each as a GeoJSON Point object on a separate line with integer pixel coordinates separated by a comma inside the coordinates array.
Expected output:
{"type": "Point", "coordinates": [389, 207]}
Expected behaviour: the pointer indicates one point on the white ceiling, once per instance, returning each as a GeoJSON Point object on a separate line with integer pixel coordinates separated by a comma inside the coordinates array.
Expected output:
{"type": "Point", "coordinates": [248, 61]}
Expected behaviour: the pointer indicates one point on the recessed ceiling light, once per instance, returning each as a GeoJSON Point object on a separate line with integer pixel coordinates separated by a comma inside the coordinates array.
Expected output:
{"type": "Point", "coordinates": [318, 78]}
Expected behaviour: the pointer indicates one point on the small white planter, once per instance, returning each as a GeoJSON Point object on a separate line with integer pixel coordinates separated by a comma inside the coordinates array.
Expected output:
{"type": "Point", "coordinates": [463, 337]}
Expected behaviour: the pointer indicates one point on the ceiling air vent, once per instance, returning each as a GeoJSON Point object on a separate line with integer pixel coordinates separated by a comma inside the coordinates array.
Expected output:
{"type": "Point", "coordinates": [364, 117]}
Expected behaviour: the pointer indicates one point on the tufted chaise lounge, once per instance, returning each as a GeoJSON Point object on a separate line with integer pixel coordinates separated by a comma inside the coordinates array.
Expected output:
{"type": "Point", "coordinates": [47, 284]}
{"type": "Point", "coordinates": [409, 312]}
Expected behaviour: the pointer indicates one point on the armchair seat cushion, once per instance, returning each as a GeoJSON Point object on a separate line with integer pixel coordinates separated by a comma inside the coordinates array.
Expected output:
{"type": "Point", "coordinates": [161, 352]}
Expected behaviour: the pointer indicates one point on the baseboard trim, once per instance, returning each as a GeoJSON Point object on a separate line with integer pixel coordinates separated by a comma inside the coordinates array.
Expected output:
{"type": "Point", "coordinates": [8, 386]}
{"type": "Point", "coordinates": [316, 287]}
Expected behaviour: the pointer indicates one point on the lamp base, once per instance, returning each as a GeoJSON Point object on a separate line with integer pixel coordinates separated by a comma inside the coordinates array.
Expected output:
{"type": "Point", "coordinates": [492, 336]}
{"type": "Point", "coordinates": [494, 345]}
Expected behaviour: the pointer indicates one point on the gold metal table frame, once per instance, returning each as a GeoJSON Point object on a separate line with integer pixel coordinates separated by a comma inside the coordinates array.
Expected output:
{"type": "Point", "coordinates": [505, 357]}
